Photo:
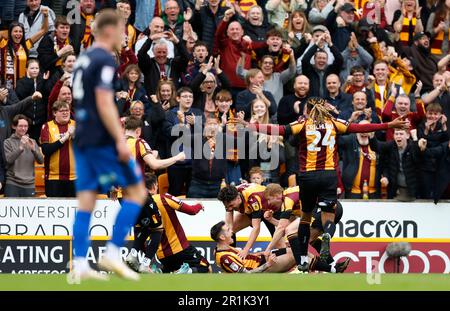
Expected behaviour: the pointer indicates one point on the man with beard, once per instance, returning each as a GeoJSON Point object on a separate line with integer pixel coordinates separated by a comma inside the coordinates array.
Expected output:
{"type": "Point", "coordinates": [426, 65]}
{"type": "Point", "coordinates": [290, 109]}
{"type": "Point", "coordinates": [81, 32]}
{"type": "Point", "coordinates": [359, 164]}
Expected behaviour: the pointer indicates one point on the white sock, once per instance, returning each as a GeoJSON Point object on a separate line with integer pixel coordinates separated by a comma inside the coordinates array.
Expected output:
{"type": "Point", "coordinates": [112, 251]}
{"type": "Point", "coordinates": [333, 268]}
{"type": "Point", "coordinates": [134, 252]}
{"type": "Point", "coordinates": [146, 262]}
{"type": "Point", "coordinates": [81, 263]}
{"type": "Point", "coordinates": [303, 259]}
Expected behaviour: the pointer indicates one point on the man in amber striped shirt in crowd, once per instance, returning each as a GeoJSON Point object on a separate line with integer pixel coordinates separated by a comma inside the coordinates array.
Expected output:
{"type": "Point", "coordinates": [56, 140]}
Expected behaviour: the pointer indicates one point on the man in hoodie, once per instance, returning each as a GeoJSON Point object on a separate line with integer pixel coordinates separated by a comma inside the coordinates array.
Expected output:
{"type": "Point", "coordinates": [426, 65]}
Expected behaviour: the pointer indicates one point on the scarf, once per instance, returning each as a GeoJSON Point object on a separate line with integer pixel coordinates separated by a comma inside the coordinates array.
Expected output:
{"type": "Point", "coordinates": [14, 65]}
{"type": "Point", "coordinates": [407, 32]}
{"type": "Point", "coordinates": [380, 100]}
{"type": "Point", "coordinates": [58, 46]}
{"type": "Point", "coordinates": [87, 37]}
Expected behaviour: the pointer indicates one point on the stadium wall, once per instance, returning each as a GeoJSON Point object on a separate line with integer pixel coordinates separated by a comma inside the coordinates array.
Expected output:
{"type": "Point", "coordinates": [35, 235]}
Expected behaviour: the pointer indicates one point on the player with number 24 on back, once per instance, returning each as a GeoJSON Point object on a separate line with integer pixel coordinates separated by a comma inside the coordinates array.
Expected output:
{"type": "Point", "coordinates": [317, 133]}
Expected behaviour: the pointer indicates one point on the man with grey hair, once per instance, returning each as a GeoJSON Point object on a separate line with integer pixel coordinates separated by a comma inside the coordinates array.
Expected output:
{"type": "Point", "coordinates": [402, 108]}
{"type": "Point", "coordinates": [32, 20]}
{"type": "Point", "coordinates": [156, 32]}
{"type": "Point", "coordinates": [160, 66]}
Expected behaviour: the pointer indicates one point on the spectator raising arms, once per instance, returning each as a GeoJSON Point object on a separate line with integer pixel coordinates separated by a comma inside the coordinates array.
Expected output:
{"type": "Point", "coordinates": [15, 50]}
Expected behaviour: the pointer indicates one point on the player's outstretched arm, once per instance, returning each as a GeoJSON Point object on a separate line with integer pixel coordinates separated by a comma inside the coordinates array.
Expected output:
{"type": "Point", "coordinates": [399, 122]}
{"type": "Point", "coordinates": [157, 164]}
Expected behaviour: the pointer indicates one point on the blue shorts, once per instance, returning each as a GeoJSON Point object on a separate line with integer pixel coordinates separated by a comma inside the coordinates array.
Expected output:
{"type": "Point", "coordinates": [98, 169]}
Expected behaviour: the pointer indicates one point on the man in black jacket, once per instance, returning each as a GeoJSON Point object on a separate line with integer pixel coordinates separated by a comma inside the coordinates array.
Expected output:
{"type": "Point", "coordinates": [360, 164]}
{"type": "Point", "coordinates": [205, 20]}
{"type": "Point", "coordinates": [160, 67]}
{"type": "Point", "coordinates": [81, 32]}
{"type": "Point", "coordinates": [340, 22]}
{"type": "Point", "coordinates": [209, 169]}
{"type": "Point", "coordinates": [318, 72]}
{"type": "Point", "coordinates": [400, 164]}
{"type": "Point", "coordinates": [53, 47]}
{"type": "Point", "coordinates": [442, 154]}
{"type": "Point", "coordinates": [289, 110]}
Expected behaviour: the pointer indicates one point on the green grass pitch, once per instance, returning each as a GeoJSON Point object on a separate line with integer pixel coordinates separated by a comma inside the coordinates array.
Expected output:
{"type": "Point", "coordinates": [236, 282]}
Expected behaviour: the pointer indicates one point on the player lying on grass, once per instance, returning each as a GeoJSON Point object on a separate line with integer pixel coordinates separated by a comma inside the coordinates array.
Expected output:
{"type": "Point", "coordinates": [288, 202]}
{"type": "Point", "coordinates": [172, 247]}
{"type": "Point", "coordinates": [279, 261]}
{"type": "Point", "coordinates": [249, 203]}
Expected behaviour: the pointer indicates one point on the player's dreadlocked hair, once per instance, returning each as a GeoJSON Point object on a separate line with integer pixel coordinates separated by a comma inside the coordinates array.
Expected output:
{"type": "Point", "coordinates": [228, 194]}
{"type": "Point", "coordinates": [317, 110]}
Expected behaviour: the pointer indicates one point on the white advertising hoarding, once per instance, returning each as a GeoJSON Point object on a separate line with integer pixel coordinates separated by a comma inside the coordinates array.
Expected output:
{"type": "Point", "coordinates": [361, 219]}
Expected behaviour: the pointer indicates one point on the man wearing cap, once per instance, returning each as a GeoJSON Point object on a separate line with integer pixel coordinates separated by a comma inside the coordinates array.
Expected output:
{"type": "Point", "coordinates": [425, 64]}
{"type": "Point", "coordinates": [317, 32]}
{"type": "Point", "coordinates": [340, 23]}
{"type": "Point", "coordinates": [320, 70]}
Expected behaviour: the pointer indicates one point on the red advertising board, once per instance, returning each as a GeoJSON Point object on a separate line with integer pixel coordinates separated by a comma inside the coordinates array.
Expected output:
{"type": "Point", "coordinates": [371, 257]}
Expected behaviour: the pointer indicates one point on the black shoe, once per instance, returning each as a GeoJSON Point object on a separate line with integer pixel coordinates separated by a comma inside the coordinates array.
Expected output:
{"type": "Point", "coordinates": [325, 248]}
{"type": "Point", "coordinates": [304, 267]}
{"type": "Point", "coordinates": [342, 266]}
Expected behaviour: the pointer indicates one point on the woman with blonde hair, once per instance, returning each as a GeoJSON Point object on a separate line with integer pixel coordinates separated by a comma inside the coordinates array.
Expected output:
{"type": "Point", "coordinates": [407, 21]}
{"type": "Point", "coordinates": [265, 143]}
{"type": "Point", "coordinates": [319, 11]}
{"type": "Point", "coordinates": [254, 25]}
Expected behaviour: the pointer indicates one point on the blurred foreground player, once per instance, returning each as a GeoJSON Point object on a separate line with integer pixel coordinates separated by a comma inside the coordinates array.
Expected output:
{"type": "Point", "coordinates": [172, 247]}
{"type": "Point", "coordinates": [102, 156]}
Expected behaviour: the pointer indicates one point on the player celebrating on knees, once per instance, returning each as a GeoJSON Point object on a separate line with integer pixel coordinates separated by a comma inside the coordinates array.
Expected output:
{"type": "Point", "coordinates": [317, 165]}
{"type": "Point", "coordinates": [174, 250]}
{"type": "Point", "coordinates": [248, 200]}
{"type": "Point", "coordinates": [102, 156]}
{"type": "Point", "coordinates": [288, 202]}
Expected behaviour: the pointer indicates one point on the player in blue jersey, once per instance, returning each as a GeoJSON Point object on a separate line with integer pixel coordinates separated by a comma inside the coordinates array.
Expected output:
{"type": "Point", "coordinates": [102, 156]}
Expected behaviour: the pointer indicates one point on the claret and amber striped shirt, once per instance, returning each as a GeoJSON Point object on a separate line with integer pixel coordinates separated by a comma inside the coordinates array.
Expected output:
{"type": "Point", "coordinates": [229, 261]}
{"type": "Point", "coordinates": [61, 164]}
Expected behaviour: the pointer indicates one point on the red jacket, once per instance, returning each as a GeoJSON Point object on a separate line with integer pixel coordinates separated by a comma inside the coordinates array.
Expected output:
{"type": "Point", "coordinates": [230, 52]}
{"type": "Point", "coordinates": [390, 114]}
